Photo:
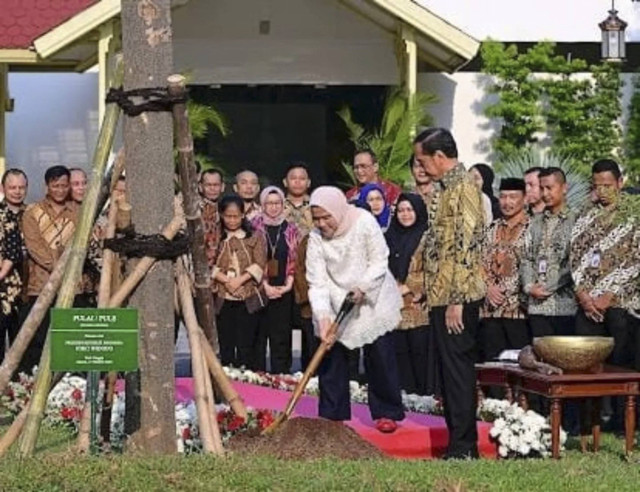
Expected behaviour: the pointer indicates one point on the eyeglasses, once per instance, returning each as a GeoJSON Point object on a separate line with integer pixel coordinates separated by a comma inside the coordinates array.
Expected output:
{"type": "Point", "coordinates": [357, 167]}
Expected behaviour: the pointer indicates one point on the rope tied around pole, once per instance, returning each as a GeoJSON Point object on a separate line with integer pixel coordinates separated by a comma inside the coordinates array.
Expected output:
{"type": "Point", "coordinates": [134, 245]}
{"type": "Point", "coordinates": [154, 99]}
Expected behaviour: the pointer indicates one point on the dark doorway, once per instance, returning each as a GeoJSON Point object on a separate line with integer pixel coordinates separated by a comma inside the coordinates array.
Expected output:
{"type": "Point", "coordinates": [274, 125]}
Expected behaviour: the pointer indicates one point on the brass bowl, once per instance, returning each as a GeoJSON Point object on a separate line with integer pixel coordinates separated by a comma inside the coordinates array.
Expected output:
{"type": "Point", "coordinates": [574, 354]}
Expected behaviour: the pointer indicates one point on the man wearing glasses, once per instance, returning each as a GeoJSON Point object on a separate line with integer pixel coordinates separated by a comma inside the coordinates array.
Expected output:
{"type": "Point", "coordinates": [365, 169]}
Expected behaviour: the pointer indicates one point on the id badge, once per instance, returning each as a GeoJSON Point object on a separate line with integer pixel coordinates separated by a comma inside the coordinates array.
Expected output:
{"type": "Point", "coordinates": [595, 260]}
{"type": "Point", "coordinates": [542, 266]}
{"type": "Point", "coordinates": [272, 268]}
{"type": "Point", "coordinates": [231, 274]}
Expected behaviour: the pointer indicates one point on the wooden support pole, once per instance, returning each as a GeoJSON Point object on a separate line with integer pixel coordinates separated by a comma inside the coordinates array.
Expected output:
{"type": "Point", "coordinates": [234, 400]}
{"type": "Point", "coordinates": [191, 199]}
{"type": "Point", "coordinates": [73, 271]}
{"type": "Point", "coordinates": [14, 430]}
{"type": "Point", "coordinates": [204, 403]}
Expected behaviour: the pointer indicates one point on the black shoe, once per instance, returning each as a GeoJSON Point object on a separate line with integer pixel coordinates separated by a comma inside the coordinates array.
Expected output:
{"type": "Point", "coordinates": [468, 456]}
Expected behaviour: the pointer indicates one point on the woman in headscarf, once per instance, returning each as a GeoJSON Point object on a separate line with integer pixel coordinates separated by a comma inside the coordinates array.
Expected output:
{"type": "Point", "coordinates": [347, 253]}
{"type": "Point", "coordinates": [483, 176]}
{"type": "Point", "coordinates": [406, 241]}
{"type": "Point", "coordinates": [282, 241]}
{"type": "Point", "coordinates": [372, 198]}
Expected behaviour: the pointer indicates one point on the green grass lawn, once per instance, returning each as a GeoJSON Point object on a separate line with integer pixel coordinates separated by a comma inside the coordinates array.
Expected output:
{"type": "Point", "coordinates": [55, 467]}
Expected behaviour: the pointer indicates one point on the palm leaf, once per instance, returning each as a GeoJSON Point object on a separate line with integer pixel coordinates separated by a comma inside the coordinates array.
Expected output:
{"type": "Point", "coordinates": [392, 141]}
{"type": "Point", "coordinates": [355, 130]}
{"type": "Point", "coordinates": [202, 116]}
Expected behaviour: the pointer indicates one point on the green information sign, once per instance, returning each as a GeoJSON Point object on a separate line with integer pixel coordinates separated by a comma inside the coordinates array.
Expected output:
{"type": "Point", "coordinates": [94, 339]}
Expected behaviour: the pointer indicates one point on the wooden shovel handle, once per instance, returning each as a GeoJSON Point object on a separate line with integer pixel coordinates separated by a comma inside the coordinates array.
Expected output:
{"type": "Point", "coordinates": [319, 354]}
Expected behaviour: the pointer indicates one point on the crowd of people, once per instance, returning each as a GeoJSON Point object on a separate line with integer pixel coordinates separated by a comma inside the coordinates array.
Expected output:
{"type": "Point", "coordinates": [444, 274]}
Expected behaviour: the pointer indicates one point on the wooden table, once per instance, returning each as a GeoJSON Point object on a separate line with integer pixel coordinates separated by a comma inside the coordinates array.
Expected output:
{"type": "Point", "coordinates": [612, 381]}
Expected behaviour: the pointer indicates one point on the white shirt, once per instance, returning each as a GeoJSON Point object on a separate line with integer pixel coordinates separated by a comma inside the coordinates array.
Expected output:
{"type": "Point", "coordinates": [358, 258]}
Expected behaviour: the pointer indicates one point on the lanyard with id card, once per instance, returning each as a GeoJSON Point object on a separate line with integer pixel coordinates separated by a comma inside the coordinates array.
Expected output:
{"type": "Point", "coordinates": [596, 260]}
{"type": "Point", "coordinates": [542, 265]}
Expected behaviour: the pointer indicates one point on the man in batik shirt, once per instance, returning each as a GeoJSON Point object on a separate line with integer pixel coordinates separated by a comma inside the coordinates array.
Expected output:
{"type": "Point", "coordinates": [504, 323]}
{"type": "Point", "coordinates": [48, 227]}
{"type": "Point", "coordinates": [454, 283]}
{"type": "Point", "coordinates": [296, 205]}
{"type": "Point", "coordinates": [211, 187]}
{"type": "Point", "coordinates": [14, 188]}
{"type": "Point", "coordinates": [605, 264]}
{"type": "Point", "coordinates": [365, 170]}
{"type": "Point", "coordinates": [247, 187]}
{"type": "Point", "coordinates": [545, 270]}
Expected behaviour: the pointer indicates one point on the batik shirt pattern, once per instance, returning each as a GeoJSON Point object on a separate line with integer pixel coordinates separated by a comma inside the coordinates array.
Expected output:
{"type": "Point", "coordinates": [12, 249]}
{"type": "Point", "coordinates": [503, 249]}
{"type": "Point", "coordinates": [453, 251]}
{"type": "Point", "coordinates": [605, 255]}
{"type": "Point", "coordinates": [546, 262]}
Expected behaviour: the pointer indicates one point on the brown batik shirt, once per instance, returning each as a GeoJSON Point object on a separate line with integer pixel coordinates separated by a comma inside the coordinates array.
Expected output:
{"type": "Point", "coordinates": [211, 226]}
{"type": "Point", "coordinates": [300, 215]}
{"type": "Point", "coordinates": [46, 234]}
{"type": "Point", "coordinates": [502, 254]}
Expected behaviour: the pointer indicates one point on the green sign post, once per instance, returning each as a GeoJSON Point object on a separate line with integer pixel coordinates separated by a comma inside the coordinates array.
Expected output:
{"type": "Point", "coordinates": [94, 340]}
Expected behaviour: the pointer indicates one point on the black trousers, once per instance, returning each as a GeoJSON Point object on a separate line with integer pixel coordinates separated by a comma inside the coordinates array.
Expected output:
{"type": "Point", "coordinates": [385, 400]}
{"type": "Point", "coordinates": [237, 334]}
{"type": "Point", "coordinates": [9, 326]}
{"type": "Point", "coordinates": [498, 334]}
{"type": "Point", "coordinates": [412, 354]}
{"type": "Point", "coordinates": [456, 358]}
{"type": "Point", "coordinates": [616, 324]}
{"type": "Point", "coordinates": [309, 342]}
{"type": "Point", "coordinates": [33, 353]}
{"type": "Point", "coordinates": [543, 326]}
{"type": "Point", "coordinates": [275, 327]}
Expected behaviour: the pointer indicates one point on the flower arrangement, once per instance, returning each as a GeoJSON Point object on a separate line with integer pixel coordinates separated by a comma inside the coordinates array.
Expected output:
{"type": "Point", "coordinates": [17, 395]}
{"type": "Point", "coordinates": [517, 432]}
{"type": "Point", "coordinates": [287, 382]}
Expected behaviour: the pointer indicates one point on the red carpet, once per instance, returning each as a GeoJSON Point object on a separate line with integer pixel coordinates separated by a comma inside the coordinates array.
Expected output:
{"type": "Point", "coordinates": [418, 435]}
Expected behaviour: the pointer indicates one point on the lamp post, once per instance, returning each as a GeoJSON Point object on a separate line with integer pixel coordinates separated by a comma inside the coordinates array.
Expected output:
{"type": "Point", "coordinates": [613, 42]}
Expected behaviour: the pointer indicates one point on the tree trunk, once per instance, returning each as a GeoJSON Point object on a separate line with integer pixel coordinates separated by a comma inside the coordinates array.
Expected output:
{"type": "Point", "coordinates": [147, 48]}
{"type": "Point", "coordinates": [189, 187]}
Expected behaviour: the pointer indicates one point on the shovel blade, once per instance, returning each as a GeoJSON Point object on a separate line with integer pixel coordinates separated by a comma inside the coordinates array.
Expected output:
{"type": "Point", "coordinates": [275, 424]}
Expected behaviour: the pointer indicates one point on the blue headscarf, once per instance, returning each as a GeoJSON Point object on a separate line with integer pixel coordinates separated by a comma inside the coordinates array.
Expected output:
{"type": "Point", "coordinates": [383, 217]}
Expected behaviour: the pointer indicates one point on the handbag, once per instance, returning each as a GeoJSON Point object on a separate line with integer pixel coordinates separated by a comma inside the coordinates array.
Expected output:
{"type": "Point", "coordinates": [257, 301]}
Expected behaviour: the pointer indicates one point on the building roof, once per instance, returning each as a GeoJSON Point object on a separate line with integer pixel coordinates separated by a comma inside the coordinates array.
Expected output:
{"type": "Point", "coordinates": [45, 34]}
{"type": "Point", "coordinates": [23, 21]}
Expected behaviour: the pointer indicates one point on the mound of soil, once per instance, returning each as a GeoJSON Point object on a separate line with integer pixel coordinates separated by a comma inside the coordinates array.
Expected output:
{"type": "Point", "coordinates": [306, 439]}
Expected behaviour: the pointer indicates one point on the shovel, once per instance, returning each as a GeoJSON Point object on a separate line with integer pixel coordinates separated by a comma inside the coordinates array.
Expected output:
{"type": "Point", "coordinates": [347, 306]}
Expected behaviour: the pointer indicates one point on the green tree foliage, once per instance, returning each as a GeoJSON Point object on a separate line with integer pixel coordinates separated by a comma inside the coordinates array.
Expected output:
{"type": "Point", "coordinates": [632, 136]}
{"type": "Point", "coordinates": [392, 140]}
{"type": "Point", "coordinates": [538, 91]}
{"type": "Point", "coordinates": [518, 93]}
{"type": "Point", "coordinates": [519, 162]}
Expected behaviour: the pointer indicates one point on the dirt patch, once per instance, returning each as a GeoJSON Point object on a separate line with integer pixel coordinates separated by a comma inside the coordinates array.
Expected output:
{"type": "Point", "coordinates": [306, 439]}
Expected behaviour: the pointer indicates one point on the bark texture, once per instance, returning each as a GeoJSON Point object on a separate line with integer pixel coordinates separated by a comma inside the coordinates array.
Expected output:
{"type": "Point", "coordinates": [147, 49]}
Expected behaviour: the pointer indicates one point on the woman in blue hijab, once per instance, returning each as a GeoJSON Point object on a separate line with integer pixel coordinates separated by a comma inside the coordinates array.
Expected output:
{"type": "Point", "coordinates": [372, 197]}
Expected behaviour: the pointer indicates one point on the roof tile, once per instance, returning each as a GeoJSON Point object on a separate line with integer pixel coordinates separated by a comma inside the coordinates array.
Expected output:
{"type": "Point", "coordinates": [24, 21]}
